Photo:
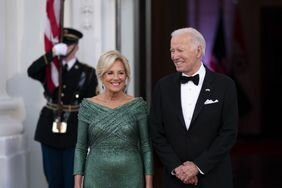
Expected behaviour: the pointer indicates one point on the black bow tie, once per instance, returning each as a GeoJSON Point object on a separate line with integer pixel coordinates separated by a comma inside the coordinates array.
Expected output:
{"type": "Point", "coordinates": [194, 79]}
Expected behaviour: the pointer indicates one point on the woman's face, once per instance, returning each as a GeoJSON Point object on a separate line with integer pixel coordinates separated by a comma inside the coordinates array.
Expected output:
{"type": "Point", "coordinates": [114, 79]}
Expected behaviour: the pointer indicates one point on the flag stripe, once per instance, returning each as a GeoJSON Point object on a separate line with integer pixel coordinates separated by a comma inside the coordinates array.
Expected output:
{"type": "Point", "coordinates": [53, 17]}
{"type": "Point", "coordinates": [51, 36]}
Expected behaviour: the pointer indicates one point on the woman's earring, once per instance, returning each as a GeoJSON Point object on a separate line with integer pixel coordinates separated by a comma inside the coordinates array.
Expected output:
{"type": "Point", "coordinates": [125, 86]}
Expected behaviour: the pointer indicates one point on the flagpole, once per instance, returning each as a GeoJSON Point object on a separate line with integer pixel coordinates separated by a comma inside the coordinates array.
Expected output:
{"type": "Point", "coordinates": [221, 3]}
{"type": "Point", "coordinates": [60, 103]}
{"type": "Point", "coordinates": [118, 23]}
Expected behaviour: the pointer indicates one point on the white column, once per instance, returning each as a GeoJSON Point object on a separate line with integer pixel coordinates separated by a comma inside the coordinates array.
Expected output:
{"type": "Point", "coordinates": [2, 54]}
{"type": "Point", "coordinates": [129, 36]}
{"type": "Point", "coordinates": [12, 140]}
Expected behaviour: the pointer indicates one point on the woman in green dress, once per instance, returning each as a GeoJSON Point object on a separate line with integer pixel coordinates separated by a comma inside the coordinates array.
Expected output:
{"type": "Point", "coordinates": [113, 146]}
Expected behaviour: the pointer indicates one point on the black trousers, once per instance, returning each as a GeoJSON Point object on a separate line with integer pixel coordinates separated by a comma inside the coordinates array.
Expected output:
{"type": "Point", "coordinates": [58, 166]}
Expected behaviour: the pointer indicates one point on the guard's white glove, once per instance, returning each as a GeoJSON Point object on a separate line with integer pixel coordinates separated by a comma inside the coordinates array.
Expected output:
{"type": "Point", "coordinates": [60, 49]}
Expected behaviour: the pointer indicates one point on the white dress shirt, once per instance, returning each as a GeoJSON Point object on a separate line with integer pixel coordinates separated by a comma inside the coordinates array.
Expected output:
{"type": "Point", "coordinates": [70, 63]}
{"type": "Point", "coordinates": [189, 95]}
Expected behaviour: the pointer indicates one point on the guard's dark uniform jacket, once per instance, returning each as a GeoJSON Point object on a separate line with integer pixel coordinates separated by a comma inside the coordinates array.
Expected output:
{"type": "Point", "coordinates": [77, 83]}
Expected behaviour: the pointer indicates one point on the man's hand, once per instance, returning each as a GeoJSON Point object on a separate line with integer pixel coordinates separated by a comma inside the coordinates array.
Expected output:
{"type": "Point", "coordinates": [60, 49]}
{"type": "Point", "coordinates": [187, 173]}
{"type": "Point", "coordinates": [193, 180]}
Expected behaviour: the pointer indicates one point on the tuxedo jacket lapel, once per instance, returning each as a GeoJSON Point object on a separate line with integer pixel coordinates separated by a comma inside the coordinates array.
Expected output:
{"type": "Point", "coordinates": [175, 94]}
{"type": "Point", "coordinates": [205, 93]}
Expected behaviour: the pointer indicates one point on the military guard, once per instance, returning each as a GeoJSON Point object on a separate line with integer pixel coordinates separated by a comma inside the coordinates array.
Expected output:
{"type": "Point", "coordinates": [57, 125]}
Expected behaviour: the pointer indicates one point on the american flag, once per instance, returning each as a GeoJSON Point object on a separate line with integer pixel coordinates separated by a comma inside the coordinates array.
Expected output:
{"type": "Point", "coordinates": [51, 37]}
{"type": "Point", "coordinates": [218, 57]}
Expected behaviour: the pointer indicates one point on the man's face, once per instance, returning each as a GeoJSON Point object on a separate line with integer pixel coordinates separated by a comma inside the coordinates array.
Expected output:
{"type": "Point", "coordinates": [184, 54]}
{"type": "Point", "coordinates": [72, 49]}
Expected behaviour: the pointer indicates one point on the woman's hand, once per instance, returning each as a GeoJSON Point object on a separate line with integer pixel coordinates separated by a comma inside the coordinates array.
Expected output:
{"type": "Point", "coordinates": [149, 181]}
{"type": "Point", "coordinates": [77, 181]}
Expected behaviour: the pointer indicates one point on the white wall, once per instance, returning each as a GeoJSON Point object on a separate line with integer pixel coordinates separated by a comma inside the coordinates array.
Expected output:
{"type": "Point", "coordinates": [24, 44]}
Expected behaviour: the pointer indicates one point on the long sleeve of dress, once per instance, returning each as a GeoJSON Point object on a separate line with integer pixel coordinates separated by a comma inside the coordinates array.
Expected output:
{"type": "Point", "coordinates": [145, 141]}
{"type": "Point", "coordinates": [81, 148]}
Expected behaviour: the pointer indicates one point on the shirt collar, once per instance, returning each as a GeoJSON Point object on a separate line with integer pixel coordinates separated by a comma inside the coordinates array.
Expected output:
{"type": "Point", "coordinates": [70, 63]}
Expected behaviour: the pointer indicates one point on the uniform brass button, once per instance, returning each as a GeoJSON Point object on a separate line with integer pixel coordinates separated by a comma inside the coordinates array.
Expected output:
{"type": "Point", "coordinates": [62, 94]}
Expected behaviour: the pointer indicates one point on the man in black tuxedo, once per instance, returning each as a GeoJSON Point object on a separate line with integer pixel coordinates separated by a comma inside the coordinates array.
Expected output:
{"type": "Point", "coordinates": [194, 117]}
{"type": "Point", "coordinates": [57, 125]}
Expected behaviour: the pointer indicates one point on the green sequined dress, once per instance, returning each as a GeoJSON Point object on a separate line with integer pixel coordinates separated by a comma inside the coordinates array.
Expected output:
{"type": "Point", "coordinates": [120, 153]}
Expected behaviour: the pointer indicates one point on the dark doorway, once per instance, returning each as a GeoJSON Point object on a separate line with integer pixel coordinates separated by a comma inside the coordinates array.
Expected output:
{"type": "Point", "coordinates": [166, 17]}
{"type": "Point", "coordinates": [271, 70]}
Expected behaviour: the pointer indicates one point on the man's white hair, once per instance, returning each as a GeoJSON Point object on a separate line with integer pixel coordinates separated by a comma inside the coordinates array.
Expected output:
{"type": "Point", "coordinates": [197, 37]}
